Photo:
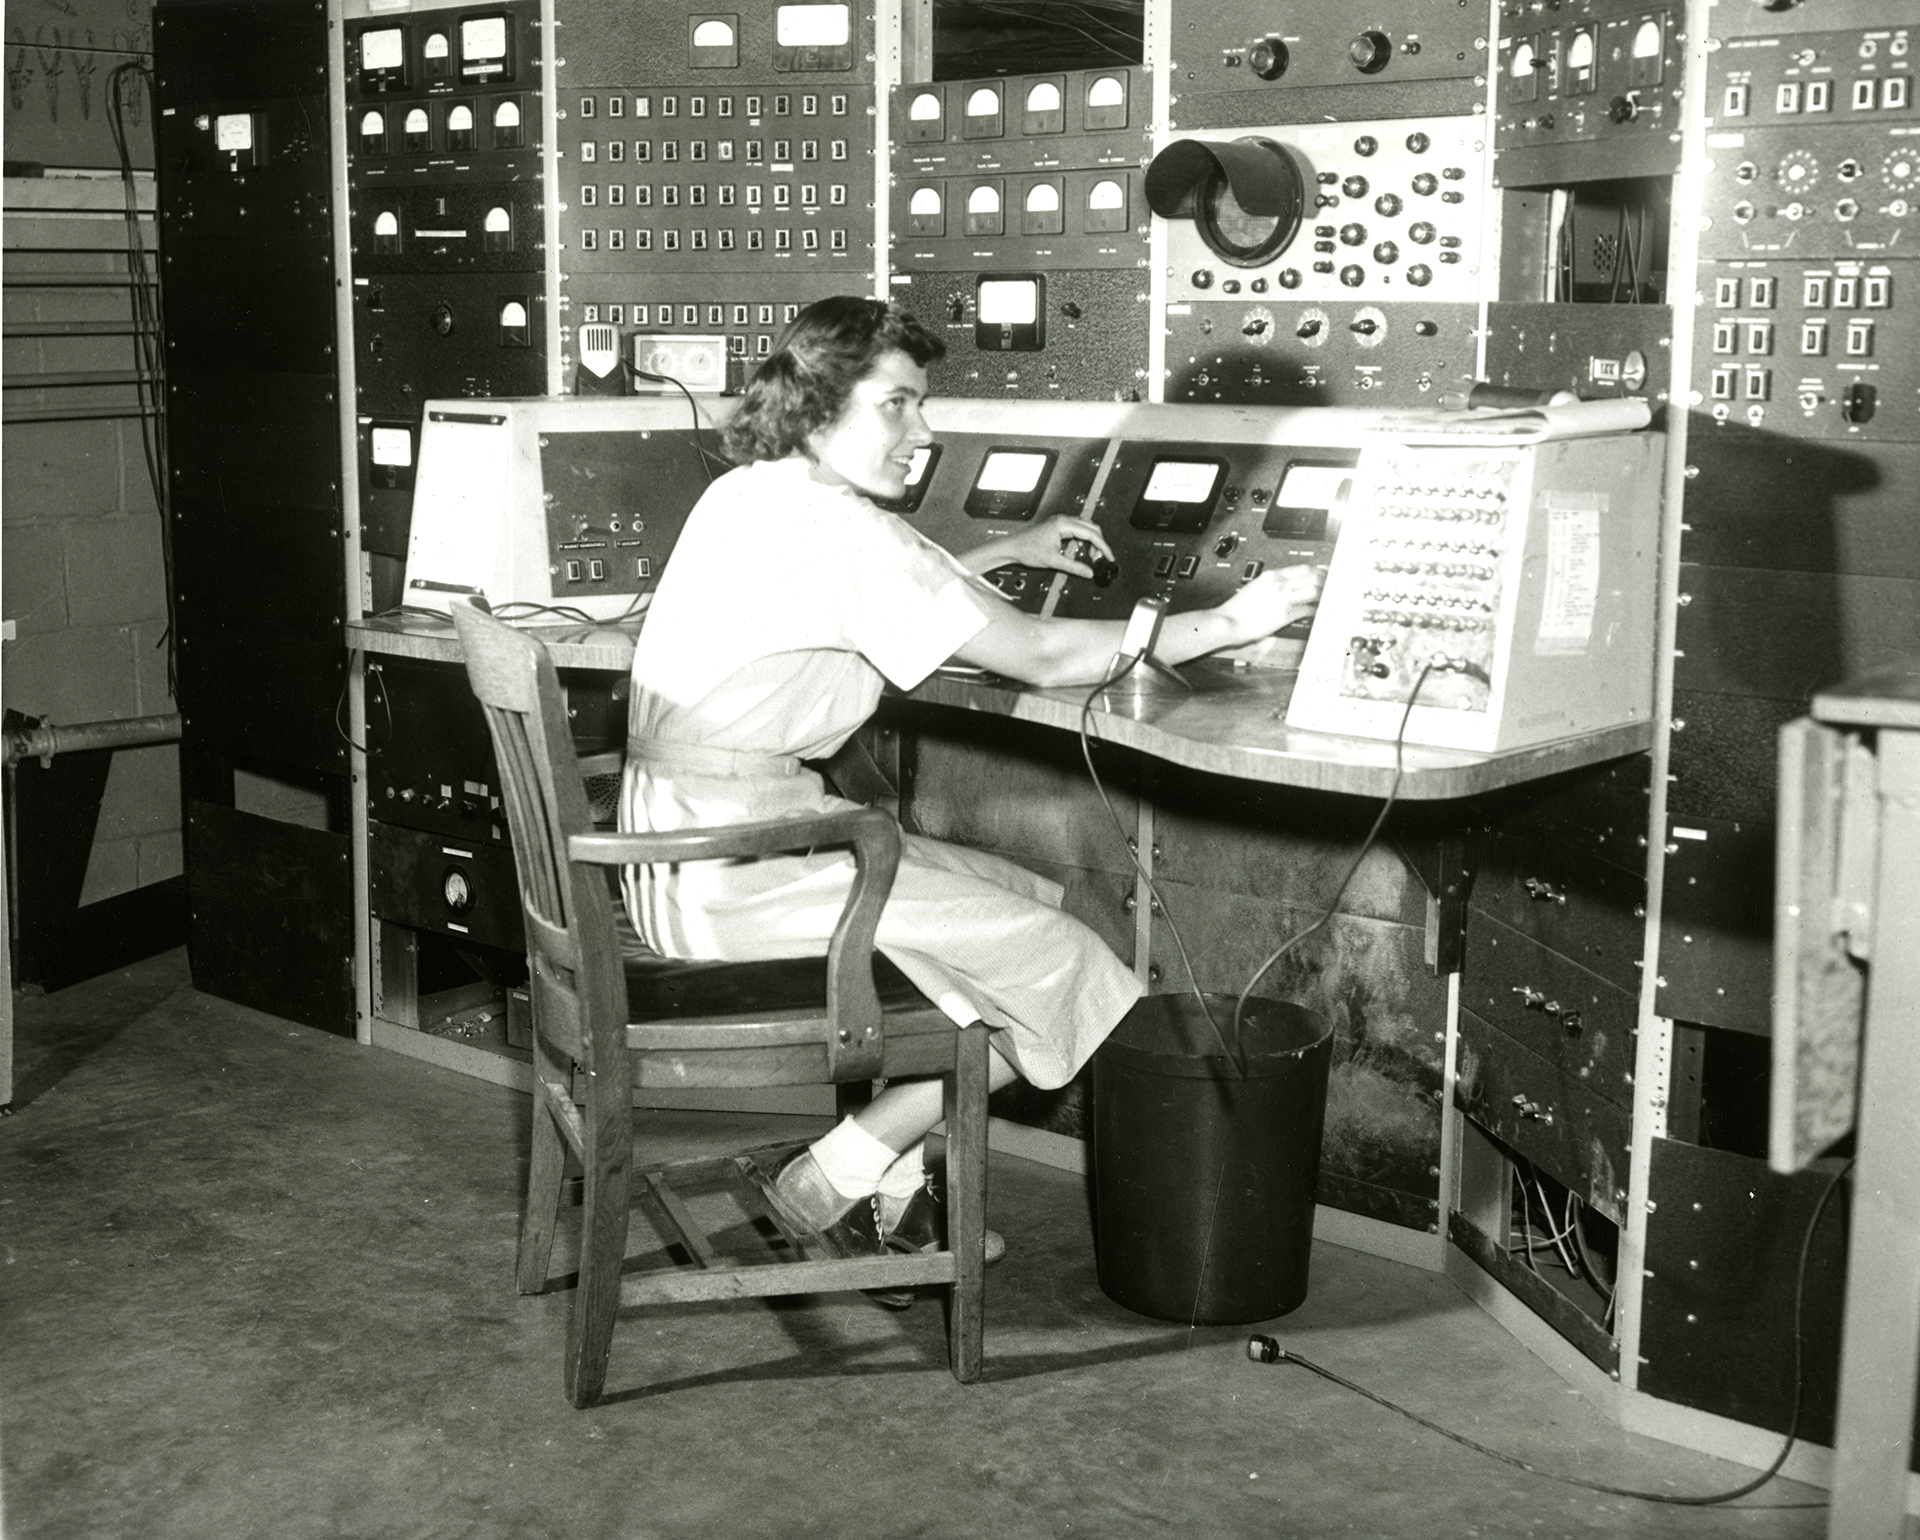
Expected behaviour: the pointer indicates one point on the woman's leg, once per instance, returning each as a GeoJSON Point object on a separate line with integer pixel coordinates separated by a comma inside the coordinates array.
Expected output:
{"type": "Point", "coordinates": [900, 1116]}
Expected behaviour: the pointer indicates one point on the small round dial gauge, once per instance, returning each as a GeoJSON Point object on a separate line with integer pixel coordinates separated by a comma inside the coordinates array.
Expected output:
{"type": "Point", "coordinates": [1797, 171]}
{"type": "Point", "coordinates": [1901, 169]}
{"type": "Point", "coordinates": [457, 889]}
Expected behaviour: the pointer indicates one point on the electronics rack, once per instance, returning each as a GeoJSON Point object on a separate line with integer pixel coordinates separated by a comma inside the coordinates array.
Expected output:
{"type": "Point", "coordinates": [1780, 326]}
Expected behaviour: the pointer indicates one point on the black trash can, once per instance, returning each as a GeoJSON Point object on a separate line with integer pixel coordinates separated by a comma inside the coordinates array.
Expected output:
{"type": "Point", "coordinates": [1204, 1182]}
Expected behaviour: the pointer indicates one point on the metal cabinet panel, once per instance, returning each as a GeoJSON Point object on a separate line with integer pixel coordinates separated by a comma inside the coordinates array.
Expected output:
{"type": "Point", "coordinates": [1538, 1111]}
{"type": "Point", "coordinates": [1588, 910]}
{"type": "Point", "coordinates": [462, 889]}
{"type": "Point", "coordinates": [1576, 1021]}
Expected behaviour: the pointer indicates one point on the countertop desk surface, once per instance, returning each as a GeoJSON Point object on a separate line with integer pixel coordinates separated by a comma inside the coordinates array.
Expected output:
{"type": "Point", "coordinates": [1231, 722]}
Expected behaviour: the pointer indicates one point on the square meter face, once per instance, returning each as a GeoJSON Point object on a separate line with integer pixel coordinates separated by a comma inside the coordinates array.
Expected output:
{"type": "Point", "coordinates": [1180, 494]}
{"type": "Point", "coordinates": [1010, 483]}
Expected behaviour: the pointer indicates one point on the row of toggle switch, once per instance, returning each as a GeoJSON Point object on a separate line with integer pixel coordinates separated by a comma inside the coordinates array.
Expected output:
{"type": "Point", "coordinates": [1818, 291]}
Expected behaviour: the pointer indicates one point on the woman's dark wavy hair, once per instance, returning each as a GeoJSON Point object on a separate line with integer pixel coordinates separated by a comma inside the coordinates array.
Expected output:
{"type": "Point", "coordinates": [805, 382]}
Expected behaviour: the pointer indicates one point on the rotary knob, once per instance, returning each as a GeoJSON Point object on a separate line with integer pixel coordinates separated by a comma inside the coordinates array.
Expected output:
{"type": "Point", "coordinates": [1370, 52]}
{"type": "Point", "coordinates": [1268, 58]}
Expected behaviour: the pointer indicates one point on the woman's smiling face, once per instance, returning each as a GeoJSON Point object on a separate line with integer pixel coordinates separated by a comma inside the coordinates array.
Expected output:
{"type": "Point", "coordinates": [870, 445]}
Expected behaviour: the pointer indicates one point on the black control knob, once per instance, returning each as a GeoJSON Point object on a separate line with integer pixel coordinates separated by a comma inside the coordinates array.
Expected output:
{"type": "Point", "coordinates": [1290, 278]}
{"type": "Point", "coordinates": [1857, 403]}
{"type": "Point", "coordinates": [1203, 278]}
{"type": "Point", "coordinates": [1310, 327]}
{"type": "Point", "coordinates": [1353, 276]}
{"type": "Point", "coordinates": [1366, 326]}
{"type": "Point", "coordinates": [1418, 143]}
{"type": "Point", "coordinates": [1370, 52]}
{"type": "Point", "coordinates": [1386, 251]}
{"type": "Point", "coordinates": [1421, 233]}
{"type": "Point", "coordinates": [1419, 275]}
{"type": "Point", "coordinates": [1105, 568]}
{"type": "Point", "coordinates": [1623, 109]}
{"type": "Point", "coordinates": [1353, 235]}
{"type": "Point", "coordinates": [1366, 144]}
{"type": "Point", "coordinates": [1226, 545]}
{"type": "Point", "coordinates": [1268, 58]}
{"type": "Point", "coordinates": [1387, 205]}
{"type": "Point", "coordinates": [442, 319]}
{"type": "Point", "coordinates": [1354, 187]}
{"type": "Point", "coordinates": [1426, 184]}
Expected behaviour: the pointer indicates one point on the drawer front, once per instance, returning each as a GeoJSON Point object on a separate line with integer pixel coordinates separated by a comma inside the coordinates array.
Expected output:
{"type": "Point", "coordinates": [1552, 1120]}
{"type": "Point", "coordinates": [1585, 909]}
{"type": "Point", "coordinates": [459, 888]}
{"type": "Point", "coordinates": [1577, 1021]}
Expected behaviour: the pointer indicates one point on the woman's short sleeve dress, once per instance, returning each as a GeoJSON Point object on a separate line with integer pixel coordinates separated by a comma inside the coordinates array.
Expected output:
{"type": "Point", "coordinates": [786, 607]}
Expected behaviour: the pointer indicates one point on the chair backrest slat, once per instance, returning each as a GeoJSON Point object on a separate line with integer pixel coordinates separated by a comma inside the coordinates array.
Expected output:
{"type": "Point", "coordinates": [579, 987]}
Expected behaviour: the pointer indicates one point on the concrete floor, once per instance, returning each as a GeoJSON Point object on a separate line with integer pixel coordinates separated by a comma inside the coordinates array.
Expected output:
{"type": "Point", "coordinates": [258, 1282]}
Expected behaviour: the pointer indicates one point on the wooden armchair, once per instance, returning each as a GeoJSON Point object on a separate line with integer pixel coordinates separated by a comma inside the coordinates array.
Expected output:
{"type": "Point", "coordinates": [610, 1020]}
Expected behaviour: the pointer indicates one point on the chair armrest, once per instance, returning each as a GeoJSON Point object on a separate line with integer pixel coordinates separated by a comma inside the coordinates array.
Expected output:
{"type": "Point", "coordinates": [855, 1046]}
{"type": "Point", "coordinates": [607, 762]}
{"type": "Point", "coordinates": [873, 835]}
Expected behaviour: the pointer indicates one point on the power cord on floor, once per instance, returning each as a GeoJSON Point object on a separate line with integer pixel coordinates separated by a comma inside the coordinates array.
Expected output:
{"type": "Point", "coordinates": [1266, 1350]}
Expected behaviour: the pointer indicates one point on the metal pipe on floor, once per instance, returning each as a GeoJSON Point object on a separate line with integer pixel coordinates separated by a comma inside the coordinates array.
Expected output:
{"type": "Point", "coordinates": [44, 739]}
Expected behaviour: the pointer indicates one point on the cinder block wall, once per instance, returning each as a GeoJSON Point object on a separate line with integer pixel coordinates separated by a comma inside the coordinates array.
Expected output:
{"type": "Point", "coordinates": [85, 587]}
{"type": "Point", "coordinates": [80, 550]}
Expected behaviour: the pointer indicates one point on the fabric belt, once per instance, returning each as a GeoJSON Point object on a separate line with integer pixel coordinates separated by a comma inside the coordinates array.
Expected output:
{"type": "Point", "coordinates": [694, 759]}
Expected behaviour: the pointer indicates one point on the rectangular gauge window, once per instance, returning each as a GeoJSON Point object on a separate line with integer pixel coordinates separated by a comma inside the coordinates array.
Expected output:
{"type": "Point", "coordinates": [1010, 483]}
{"type": "Point", "coordinates": [1308, 493]}
{"type": "Point", "coordinates": [484, 49]}
{"type": "Point", "coordinates": [382, 55]}
{"type": "Point", "coordinates": [233, 131]}
{"type": "Point", "coordinates": [1008, 304]}
{"type": "Point", "coordinates": [919, 478]}
{"type": "Point", "coordinates": [392, 446]}
{"type": "Point", "coordinates": [810, 26]}
{"type": "Point", "coordinates": [812, 37]}
{"type": "Point", "coordinates": [390, 456]}
{"type": "Point", "coordinates": [1180, 494]}
{"type": "Point", "coordinates": [1009, 314]}
{"type": "Point", "coordinates": [383, 48]}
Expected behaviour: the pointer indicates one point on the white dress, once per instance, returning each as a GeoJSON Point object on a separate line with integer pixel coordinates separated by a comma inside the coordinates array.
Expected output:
{"type": "Point", "coordinates": [785, 607]}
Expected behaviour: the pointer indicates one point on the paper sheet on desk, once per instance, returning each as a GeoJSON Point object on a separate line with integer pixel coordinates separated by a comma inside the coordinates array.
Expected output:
{"type": "Point", "coordinates": [1531, 424]}
{"type": "Point", "coordinates": [458, 512]}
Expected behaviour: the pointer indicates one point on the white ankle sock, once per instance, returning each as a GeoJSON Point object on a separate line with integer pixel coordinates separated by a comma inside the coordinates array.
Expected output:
{"type": "Point", "coordinates": [852, 1159]}
{"type": "Point", "coordinates": [904, 1177]}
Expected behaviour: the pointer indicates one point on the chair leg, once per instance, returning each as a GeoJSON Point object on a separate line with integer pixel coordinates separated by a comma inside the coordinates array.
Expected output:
{"type": "Point", "coordinates": [546, 1175]}
{"type": "Point", "coordinates": [606, 1201]}
{"type": "Point", "coordinates": [966, 1111]}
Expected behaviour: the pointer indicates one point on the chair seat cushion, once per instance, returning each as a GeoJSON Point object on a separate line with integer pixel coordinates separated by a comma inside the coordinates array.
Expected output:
{"type": "Point", "coordinates": [660, 987]}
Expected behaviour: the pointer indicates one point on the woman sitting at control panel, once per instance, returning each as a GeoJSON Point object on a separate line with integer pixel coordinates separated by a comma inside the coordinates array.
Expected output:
{"type": "Point", "coordinates": [790, 600]}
